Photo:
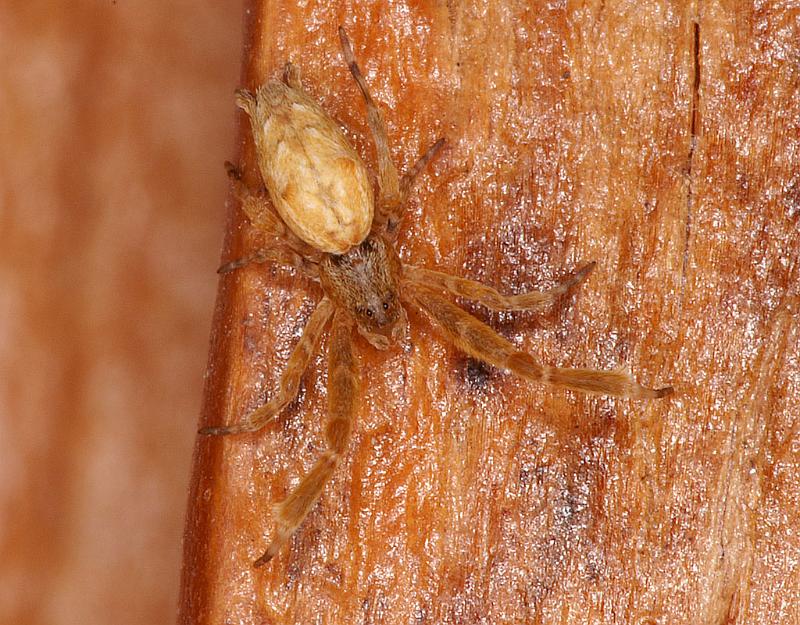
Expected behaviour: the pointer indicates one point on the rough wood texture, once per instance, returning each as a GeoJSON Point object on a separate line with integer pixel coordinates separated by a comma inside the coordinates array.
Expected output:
{"type": "Point", "coordinates": [661, 139]}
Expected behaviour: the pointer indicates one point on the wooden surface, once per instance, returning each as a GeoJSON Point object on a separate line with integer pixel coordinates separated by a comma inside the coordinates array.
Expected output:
{"type": "Point", "coordinates": [115, 121]}
{"type": "Point", "coordinates": [661, 139]}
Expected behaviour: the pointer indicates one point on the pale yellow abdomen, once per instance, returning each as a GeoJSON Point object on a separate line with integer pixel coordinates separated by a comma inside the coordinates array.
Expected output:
{"type": "Point", "coordinates": [315, 179]}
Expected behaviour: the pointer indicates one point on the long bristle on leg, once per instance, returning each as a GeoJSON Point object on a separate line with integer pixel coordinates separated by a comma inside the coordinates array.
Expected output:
{"type": "Point", "coordinates": [342, 388]}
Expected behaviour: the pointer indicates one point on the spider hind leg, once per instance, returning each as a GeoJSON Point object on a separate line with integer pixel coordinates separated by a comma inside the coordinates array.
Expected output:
{"type": "Point", "coordinates": [284, 247]}
{"type": "Point", "coordinates": [342, 386]}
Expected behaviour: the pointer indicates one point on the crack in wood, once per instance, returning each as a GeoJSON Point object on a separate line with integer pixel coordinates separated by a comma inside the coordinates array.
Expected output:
{"type": "Point", "coordinates": [693, 130]}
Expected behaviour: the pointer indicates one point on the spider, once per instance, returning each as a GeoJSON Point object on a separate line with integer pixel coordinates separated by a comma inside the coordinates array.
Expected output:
{"type": "Point", "coordinates": [329, 227]}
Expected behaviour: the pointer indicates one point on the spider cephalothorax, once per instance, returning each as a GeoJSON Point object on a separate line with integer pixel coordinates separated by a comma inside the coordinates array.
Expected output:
{"type": "Point", "coordinates": [366, 281]}
{"type": "Point", "coordinates": [324, 227]}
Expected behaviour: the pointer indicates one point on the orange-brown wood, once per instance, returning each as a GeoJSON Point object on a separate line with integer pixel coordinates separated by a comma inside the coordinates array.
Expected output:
{"type": "Point", "coordinates": [657, 138]}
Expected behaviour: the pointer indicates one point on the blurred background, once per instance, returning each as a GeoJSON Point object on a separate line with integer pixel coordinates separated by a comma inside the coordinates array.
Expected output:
{"type": "Point", "coordinates": [116, 119]}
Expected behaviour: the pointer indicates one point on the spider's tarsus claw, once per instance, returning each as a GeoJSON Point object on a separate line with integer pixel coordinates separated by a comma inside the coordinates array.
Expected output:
{"type": "Point", "coordinates": [653, 393]}
{"type": "Point", "coordinates": [347, 47]}
{"type": "Point", "coordinates": [261, 561]}
{"type": "Point", "coordinates": [586, 270]}
{"type": "Point", "coordinates": [664, 392]}
{"type": "Point", "coordinates": [581, 275]}
{"type": "Point", "coordinates": [436, 148]}
{"type": "Point", "coordinates": [270, 553]}
{"type": "Point", "coordinates": [343, 35]}
{"type": "Point", "coordinates": [227, 267]}
{"type": "Point", "coordinates": [232, 171]}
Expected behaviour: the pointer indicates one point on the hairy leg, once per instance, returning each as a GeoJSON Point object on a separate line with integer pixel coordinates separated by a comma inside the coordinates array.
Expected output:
{"type": "Point", "coordinates": [387, 173]}
{"type": "Point", "coordinates": [276, 256]}
{"type": "Point", "coordinates": [422, 162]}
{"type": "Point", "coordinates": [285, 247]}
{"type": "Point", "coordinates": [480, 341]}
{"type": "Point", "coordinates": [256, 205]}
{"type": "Point", "coordinates": [290, 380]}
{"type": "Point", "coordinates": [486, 295]}
{"type": "Point", "coordinates": [388, 216]}
{"type": "Point", "coordinates": [342, 387]}
{"type": "Point", "coordinates": [393, 189]}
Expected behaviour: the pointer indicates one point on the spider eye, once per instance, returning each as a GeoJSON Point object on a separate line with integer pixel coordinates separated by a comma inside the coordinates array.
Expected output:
{"type": "Point", "coordinates": [386, 305]}
{"type": "Point", "coordinates": [369, 312]}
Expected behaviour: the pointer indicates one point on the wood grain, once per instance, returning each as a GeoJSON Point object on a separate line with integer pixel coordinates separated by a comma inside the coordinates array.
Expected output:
{"type": "Point", "coordinates": [657, 138]}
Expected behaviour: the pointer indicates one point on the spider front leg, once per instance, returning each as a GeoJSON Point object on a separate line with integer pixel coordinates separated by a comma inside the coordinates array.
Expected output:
{"type": "Point", "coordinates": [342, 388]}
{"type": "Point", "coordinates": [486, 295]}
{"type": "Point", "coordinates": [290, 380]}
{"type": "Point", "coordinates": [479, 341]}
{"type": "Point", "coordinates": [393, 190]}
{"type": "Point", "coordinates": [387, 173]}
